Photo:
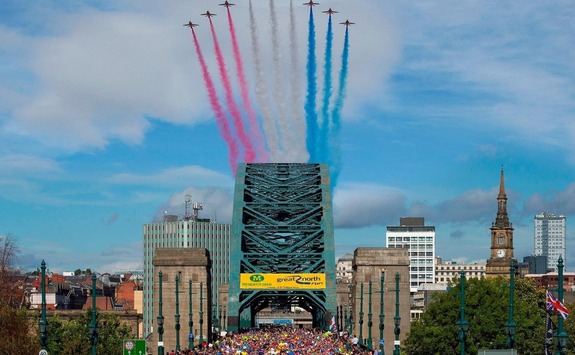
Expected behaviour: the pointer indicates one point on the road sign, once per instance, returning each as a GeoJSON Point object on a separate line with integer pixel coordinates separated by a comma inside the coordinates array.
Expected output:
{"type": "Point", "coordinates": [381, 341]}
{"type": "Point", "coordinates": [134, 347]}
{"type": "Point", "coordinates": [43, 352]}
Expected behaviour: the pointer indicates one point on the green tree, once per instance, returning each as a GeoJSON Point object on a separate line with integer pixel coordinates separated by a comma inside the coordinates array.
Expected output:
{"type": "Point", "coordinates": [487, 310]}
{"type": "Point", "coordinates": [73, 337]}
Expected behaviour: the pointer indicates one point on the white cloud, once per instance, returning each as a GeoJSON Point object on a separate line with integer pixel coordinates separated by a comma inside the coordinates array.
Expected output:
{"type": "Point", "coordinates": [360, 205]}
{"type": "Point", "coordinates": [196, 175]}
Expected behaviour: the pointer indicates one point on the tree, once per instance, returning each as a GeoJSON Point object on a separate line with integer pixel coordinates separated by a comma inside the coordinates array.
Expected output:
{"type": "Point", "coordinates": [73, 337]}
{"type": "Point", "coordinates": [8, 253]}
{"type": "Point", "coordinates": [486, 309]}
{"type": "Point", "coordinates": [16, 332]}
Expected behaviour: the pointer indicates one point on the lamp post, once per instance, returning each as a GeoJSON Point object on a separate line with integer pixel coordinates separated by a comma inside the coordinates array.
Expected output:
{"type": "Point", "coordinates": [510, 327]}
{"type": "Point", "coordinates": [369, 320]}
{"type": "Point", "coordinates": [160, 321]}
{"type": "Point", "coordinates": [397, 318]}
{"type": "Point", "coordinates": [177, 315]}
{"type": "Point", "coordinates": [201, 312]}
{"type": "Point", "coordinates": [225, 324]}
{"type": "Point", "coordinates": [462, 323]}
{"type": "Point", "coordinates": [381, 314]}
{"type": "Point", "coordinates": [560, 334]}
{"type": "Point", "coordinates": [43, 324]}
{"type": "Point", "coordinates": [214, 322]}
{"type": "Point", "coordinates": [361, 313]}
{"type": "Point", "coordinates": [191, 318]}
{"type": "Point", "coordinates": [93, 325]}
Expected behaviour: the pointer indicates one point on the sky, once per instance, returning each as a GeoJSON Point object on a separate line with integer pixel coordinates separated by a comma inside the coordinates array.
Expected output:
{"type": "Point", "coordinates": [107, 123]}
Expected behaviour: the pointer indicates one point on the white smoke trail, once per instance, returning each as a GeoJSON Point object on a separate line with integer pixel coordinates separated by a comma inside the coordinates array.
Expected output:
{"type": "Point", "coordinates": [279, 90]}
{"type": "Point", "coordinates": [297, 142]}
{"type": "Point", "coordinates": [268, 123]}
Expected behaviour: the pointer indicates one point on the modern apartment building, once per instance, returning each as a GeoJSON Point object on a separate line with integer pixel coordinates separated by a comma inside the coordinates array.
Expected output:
{"type": "Point", "coordinates": [550, 237]}
{"type": "Point", "coordinates": [185, 233]}
{"type": "Point", "coordinates": [413, 234]}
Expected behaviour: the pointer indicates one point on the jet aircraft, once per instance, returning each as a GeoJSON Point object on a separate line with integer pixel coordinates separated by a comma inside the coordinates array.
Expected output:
{"type": "Point", "coordinates": [347, 23]}
{"type": "Point", "coordinates": [208, 14]}
{"type": "Point", "coordinates": [227, 4]}
{"type": "Point", "coordinates": [190, 24]}
{"type": "Point", "coordinates": [311, 3]}
{"type": "Point", "coordinates": [330, 12]}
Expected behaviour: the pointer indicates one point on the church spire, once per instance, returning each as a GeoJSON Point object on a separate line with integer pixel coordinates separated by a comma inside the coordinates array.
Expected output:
{"type": "Point", "coordinates": [502, 219]}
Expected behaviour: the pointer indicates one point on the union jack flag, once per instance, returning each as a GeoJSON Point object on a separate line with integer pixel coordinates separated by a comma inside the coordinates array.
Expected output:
{"type": "Point", "coordinates": [554, 304]}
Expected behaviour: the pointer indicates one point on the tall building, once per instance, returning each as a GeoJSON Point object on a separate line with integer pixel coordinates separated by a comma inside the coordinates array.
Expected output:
{"type": "Point", "coordinates": [185, 233]}
{"type": "Point", "coordinates": [501, 254]}
{"type": "Point", "coordinates": [550, 237]}
{"type": "Point", "coordinates": [413, 234]}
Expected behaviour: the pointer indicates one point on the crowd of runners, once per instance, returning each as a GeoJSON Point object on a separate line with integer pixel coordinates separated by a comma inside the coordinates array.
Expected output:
{"type": "Point", "coordinates": [279, 341]}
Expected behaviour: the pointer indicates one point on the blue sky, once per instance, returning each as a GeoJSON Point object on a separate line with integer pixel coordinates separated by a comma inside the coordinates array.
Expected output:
{"type": "Point", "coordinates": [105, 122]}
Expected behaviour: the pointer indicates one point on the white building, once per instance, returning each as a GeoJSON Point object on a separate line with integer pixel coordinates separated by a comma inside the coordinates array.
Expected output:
{"type": "Point", "coordinates": [550, 237]}
{"type": "Point", "coordinates": [447, 271]}
{"type": "Point", "coordinates": [420, 240]}
{"type": "Point", "coordinates": [344, 269]}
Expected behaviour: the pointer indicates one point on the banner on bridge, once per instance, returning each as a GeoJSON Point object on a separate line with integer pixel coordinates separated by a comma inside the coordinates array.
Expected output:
{"type": "Point", "coordinates": [282, 281]}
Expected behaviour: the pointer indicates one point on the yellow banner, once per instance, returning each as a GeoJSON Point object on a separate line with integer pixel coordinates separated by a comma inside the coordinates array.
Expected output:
{"type": "Point", "coordinates": [282, 281]}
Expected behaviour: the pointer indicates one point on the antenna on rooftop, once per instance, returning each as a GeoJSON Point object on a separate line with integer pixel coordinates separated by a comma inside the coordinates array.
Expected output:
{"type": "Point", "coordinates": [187, 215]}
{"type": "Point", "coordinates": [197, 208]}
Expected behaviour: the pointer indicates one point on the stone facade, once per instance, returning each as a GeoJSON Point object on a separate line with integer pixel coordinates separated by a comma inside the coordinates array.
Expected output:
{"type": "Point", "coordinates": [188, 265]}
{"type": "Point", "coordinates": [370, 264]}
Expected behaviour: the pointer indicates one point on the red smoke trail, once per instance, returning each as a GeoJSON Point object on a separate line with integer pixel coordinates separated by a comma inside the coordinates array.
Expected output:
{"type": "Point", "coordinates": [221, 119]}
{"type": "Point", "coordinates": [249, 154]}
{"type": "Point", "coordinates": [252, 118]}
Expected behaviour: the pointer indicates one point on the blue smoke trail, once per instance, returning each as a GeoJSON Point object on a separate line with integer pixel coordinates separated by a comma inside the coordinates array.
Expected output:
{"type": "Point", "coordinates": [310, 114]}
{"type": "Point", "coordinates": [323, 143]}
{"type": "Point", "coordinates": [336, 112]}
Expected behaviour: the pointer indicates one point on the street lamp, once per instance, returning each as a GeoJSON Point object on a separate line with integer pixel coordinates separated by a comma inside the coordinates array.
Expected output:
{"type": "Point", "coordinates": [201, 312]}
{"type": "Point", "coordinates": [160, 320]}
{"type": "Point", "coordinates": [381, 314]}
{"type": "Point", "coordinates": [43, 324]}
{"type": "Point", "coordinates": [93, 325]}
{"type": "Point", "coordinates": [397, 318]}
{"type": "Point", "coordinates": [462, 323]}
{"type": "Point", "coordinates": [177, 315]}
{"type": "Point", "coordinates": [191, 318]}
{"type": "Point", "coordinates": [560, 334]}
{"type": "Point", "coordinates": [510, 327]}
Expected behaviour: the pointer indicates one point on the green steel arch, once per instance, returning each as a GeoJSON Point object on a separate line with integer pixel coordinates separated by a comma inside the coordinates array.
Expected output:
{"type": "Point", "coordinates": [282, 224]}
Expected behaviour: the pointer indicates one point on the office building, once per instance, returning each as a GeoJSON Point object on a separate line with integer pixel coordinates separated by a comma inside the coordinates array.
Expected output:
{"type": "Point", "coordinates": [550, 238]}
{"type": "Point", "coordinates": [413, 234]}
{"type": "Point", "coordinates": [185, 233]}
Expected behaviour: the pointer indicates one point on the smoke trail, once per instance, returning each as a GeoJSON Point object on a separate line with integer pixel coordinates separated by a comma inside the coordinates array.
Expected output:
{"type": "Point", "coordinates": [310, 114]}
{"type": "Point", "coordinates": [249, 154]}
{"type": "Point", "coordinates": [336, 112]}
{"type": "Point", "coordinates": [252, 119]}
{"type": "Point", "coordinates": [278, 87]}
{"type": "Point", "coordinates": [298, 146]}
{"type": "Point", "coordinates": [323, 134]}
{"type": "Point", "coordinates": [268, 123]}
{"type": "Point", "coordinates": [221, 119]}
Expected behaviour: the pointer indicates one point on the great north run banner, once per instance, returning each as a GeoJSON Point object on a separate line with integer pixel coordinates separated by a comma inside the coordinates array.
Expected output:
{"type": "Point", "coordinates": [282, 281]}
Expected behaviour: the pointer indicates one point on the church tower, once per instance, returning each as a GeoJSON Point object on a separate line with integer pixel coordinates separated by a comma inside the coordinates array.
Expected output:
{"type": "Point", "coordinates": [501, 238]}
